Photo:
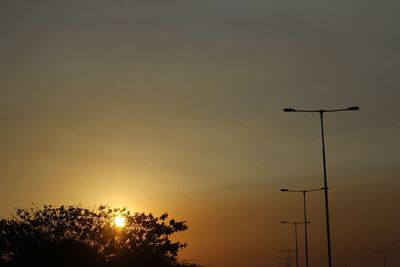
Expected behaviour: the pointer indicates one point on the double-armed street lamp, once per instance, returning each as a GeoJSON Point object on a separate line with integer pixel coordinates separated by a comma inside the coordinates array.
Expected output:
{"type": "Point", "coordinates": [384, 256]}
{"type": "Point", "coordinates": [304, 192]}
{"type": "Point", "coordinates": [295, 238]}
{"type": "Point", "coordinates": [321, 115]}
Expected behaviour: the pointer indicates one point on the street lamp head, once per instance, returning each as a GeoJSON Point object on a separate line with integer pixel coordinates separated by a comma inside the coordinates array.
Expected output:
{"type": "Point", "coordinates": [289, 110]}
{"type": "Point", "coordinates": [353, 108]}
{"type": "Point", "coordinates": [284, 190]}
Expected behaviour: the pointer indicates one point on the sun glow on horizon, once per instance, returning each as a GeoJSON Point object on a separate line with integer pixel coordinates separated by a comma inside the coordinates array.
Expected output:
{"type": "Point", "coordinates": [120, 221]}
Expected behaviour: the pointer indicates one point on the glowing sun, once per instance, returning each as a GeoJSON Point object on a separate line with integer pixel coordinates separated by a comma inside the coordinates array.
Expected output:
{"type": "Point", "coordinates": [119, 221]}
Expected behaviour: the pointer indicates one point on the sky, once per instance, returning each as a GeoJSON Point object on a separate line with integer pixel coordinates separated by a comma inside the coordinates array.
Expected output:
{"type": "Point", "coordinates": [177, 106]}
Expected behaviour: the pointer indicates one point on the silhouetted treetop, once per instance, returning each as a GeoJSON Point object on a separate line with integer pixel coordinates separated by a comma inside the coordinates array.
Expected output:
{"type": "Point", "coordinates": [62, 235]}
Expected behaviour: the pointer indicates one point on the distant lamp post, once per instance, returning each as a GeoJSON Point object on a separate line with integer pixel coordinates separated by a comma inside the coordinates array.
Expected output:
{"type": "Point", "coordinates": [383, 253]}
{"type": "Point", "coordinates": [321, 115]}
{"type": "Point", "coordinates": [289, 256]}
{"type": "Point", "coordinates": [304, 192]}
{"type": "Point", "coordinates": [295, 238]}
{"type": "Point", "coordinates": [284, 261]}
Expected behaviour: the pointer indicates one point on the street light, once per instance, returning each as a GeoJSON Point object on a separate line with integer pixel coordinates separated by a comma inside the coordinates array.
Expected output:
{"type": "Point", "coordinates": [321, 113]}
{"type": "Point", "coordinates": [384, 256]}
{"type": "Point", "coordinates": [285, 261]}
{"type": "Point", "coordinates": [305, 213]}
{"type": "Point", "coordinates": [289, 256]}
{"type": "Point", "coordinates": [295, 234]}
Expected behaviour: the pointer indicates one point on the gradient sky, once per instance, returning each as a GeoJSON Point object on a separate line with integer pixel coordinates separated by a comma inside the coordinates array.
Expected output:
{"type": "Point", "coordinates": [177, 106]}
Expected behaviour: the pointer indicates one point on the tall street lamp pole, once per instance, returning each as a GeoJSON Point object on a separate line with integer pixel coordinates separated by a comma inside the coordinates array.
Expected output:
{"type": "Point", "coordinates": [304, 192]}
{"type": "Point", "coordinates": [295, 235]}
{"type": "Point", "coordinates": [321, 115]}
{"type": "Point", "coordinates": [384, 256]}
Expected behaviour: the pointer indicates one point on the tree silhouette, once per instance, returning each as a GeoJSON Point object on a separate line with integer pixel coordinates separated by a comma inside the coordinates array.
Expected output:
{"type": "Point", "coordinates": [76, 236]}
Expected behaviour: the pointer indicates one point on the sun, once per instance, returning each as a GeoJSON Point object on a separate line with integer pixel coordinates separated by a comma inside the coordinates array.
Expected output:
{"type": "Point", "coordinates": [120, 221]}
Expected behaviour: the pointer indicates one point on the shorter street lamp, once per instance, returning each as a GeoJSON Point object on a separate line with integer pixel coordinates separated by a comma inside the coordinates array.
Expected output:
{"type": "Point", "coordinates": [284, 261]}
{"type": "Point", "coordinates": [288, 257]}
{"type": "Point", "coordinates": [304, 192]}
{"type": "Point", "coordinates": [295, 234]}
{"type": "Point", "coordinates": [384, 256]}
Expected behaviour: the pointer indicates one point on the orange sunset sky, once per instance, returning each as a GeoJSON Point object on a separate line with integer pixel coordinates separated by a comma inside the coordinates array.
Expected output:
{"type": "Point", "coordinates": [167, 105]}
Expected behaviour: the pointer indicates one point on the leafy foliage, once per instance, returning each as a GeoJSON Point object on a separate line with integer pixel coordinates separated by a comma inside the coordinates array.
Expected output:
{"type": "Point", "coordinates": [76, 236]}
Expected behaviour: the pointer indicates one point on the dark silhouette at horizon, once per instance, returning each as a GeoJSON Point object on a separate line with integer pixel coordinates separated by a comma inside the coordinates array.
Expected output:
{"type": "Point", "coordinates": [75, 236]}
